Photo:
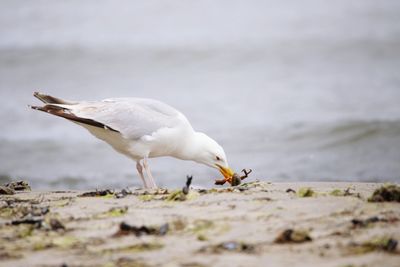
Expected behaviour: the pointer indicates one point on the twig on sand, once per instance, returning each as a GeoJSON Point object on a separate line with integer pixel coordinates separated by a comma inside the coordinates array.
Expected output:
{"type": "Point", "coordinates": [186, 188]}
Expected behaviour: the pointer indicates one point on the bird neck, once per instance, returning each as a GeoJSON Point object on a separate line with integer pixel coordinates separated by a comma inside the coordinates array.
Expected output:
{"type": "Point", "coordinates": [190, 147]}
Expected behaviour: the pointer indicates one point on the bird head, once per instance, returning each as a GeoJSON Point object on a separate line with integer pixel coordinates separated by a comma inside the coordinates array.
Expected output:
{"type": "Point", "coordinates": [212, 154]}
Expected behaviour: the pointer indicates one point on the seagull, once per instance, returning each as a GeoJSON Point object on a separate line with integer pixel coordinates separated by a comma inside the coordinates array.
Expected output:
{"type": "Point", "coordinates": [140, 128]}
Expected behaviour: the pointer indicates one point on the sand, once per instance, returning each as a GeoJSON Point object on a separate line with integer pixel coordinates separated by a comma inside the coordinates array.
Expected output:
{"type": "Point", "coordinates": [255, 224]}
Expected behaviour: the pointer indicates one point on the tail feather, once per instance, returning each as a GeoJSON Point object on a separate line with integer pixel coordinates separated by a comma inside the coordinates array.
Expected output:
{"type": "Point", "coordinates": [67, 114]}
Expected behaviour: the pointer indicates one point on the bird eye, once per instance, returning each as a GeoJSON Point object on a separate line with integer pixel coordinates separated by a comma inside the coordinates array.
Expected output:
{"type": "Point", "coordinates": [218, 158]}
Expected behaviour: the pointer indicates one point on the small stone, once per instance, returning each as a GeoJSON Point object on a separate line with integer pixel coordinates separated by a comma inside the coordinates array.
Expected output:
{"type": "Point", "coordinates": [292, 236]}
{"type": "Point", "coordinates": [56, 225]}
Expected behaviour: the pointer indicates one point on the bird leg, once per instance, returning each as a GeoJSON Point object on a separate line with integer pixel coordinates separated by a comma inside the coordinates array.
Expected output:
{"type": "Point", "coordinates": [150, 179]}
{"type": "Point", "coordinates": [140, 171]}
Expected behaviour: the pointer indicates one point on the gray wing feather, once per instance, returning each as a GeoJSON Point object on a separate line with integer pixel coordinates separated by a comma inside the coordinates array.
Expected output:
{"type": "Point", "coordinates": [132, 117]}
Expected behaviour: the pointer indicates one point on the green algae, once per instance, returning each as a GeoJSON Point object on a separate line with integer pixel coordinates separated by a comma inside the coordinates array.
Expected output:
{"type": "Point", "coordinates": [147, 197]}
{"type": "Point", "coordinates": [384, 243]}
{"type": "Point", "coordinates": [113, 212]}
{"type": "Point", "coordinates": [200, 226]}
{"type": "Point", "coordinates": [336, 193]}
{"type": "Point", "coordinates": [306, 192]}
{"type": "Point", "coordinates": [179, 195]}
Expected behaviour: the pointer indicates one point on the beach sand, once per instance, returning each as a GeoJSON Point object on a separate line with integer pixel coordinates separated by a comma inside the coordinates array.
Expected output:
{"type": "Point", "coordinates": [255, 224]}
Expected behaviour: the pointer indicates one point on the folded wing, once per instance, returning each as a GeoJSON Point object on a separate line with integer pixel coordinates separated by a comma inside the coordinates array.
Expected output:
{"type": "Point", "coordinates": [132, 117]}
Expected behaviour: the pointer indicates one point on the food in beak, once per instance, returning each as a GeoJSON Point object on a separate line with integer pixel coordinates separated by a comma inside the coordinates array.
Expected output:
{"type": "Point", "coordinates": [233, 178]}
{"type": "Point", "coordinates": [226, 172]}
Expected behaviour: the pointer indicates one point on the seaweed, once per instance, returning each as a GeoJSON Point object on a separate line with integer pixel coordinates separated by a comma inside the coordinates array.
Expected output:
{"type": "Point", "coordinates": [126, 229]}
{"type": "Point", "coordinates": [18, 186]}
{"type": "Point", "coordinates": [19, 211]}
{"type": "Point", "coordinates": [177, 195]}
{"type": "Point", "coordinates": [6, 191]}
{"type": "Point", "coordinates": [136, 248]}
{"type": "Point", "coordinates": [36, 221]}
{"type": "Point", "coordinates": [97, 193]}
{"type": "Point", "coordinates": [336, 193]}
{"type": "Point", "coordinates": [148, 197]}
{"type": "Point", "coordinates": [359, 223]}
{"type": "Point", "coordinates": [123, 193]}
{"type": "Point", "coordinates": [344, 193]}
{"type": "Point", "coordinates": [386, 244]}
{"type": "Point", "coordinates": [389, 193]}
{"type": "Point", "coordinates": [184, 193]}
{"type": "Point", "coordinates": [158, 194]}
{"type": "Point", "coordinates": [113, 212]}
{"type": "Point", "coordinates": [229, 246]}
{"type": "Point", "coordinates": [306, 192]}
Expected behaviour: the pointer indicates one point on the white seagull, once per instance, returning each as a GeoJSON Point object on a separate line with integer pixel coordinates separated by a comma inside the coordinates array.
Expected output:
{"type": "Point", "coordinates": [141, 128]}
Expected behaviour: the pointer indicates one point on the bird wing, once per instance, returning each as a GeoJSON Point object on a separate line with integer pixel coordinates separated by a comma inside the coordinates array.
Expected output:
{"type": "Point", "coordinates": [132, 117]}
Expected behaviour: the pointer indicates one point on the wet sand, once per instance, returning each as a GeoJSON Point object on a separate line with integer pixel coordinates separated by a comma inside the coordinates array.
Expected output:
{"type": "Point", "coordinates": [255, 224]}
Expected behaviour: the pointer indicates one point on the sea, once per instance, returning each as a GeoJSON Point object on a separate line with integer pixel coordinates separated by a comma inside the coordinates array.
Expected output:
{"type": "Point", "coordinates": [294, 90]}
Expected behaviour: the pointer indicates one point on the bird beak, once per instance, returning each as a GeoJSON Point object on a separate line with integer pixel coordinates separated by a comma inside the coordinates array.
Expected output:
{"type": "Point", "coordinates": [226, 172]}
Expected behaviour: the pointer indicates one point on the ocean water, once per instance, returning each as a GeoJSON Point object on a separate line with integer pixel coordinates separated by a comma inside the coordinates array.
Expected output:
{"type": "Point", "coordinates": [295, 90]}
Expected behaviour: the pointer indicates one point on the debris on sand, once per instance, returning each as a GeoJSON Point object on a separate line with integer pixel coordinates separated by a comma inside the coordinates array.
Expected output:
{"type": "Point", "coordinates": [184, 194]}
{"type": "Point", "coordinates": [123, 193]}
{"type": "Point", "coordinates": [135, 248]}
{"type": "Point", "coordinates": [13, 210]}
{"type": "Point", "coordinates": [290, 190]}
{"type": "Point", "coordinates": [177, 195]}
{"type": "Point", "coordinates": [359, 223]}
{"type": "Point", "coordinates": [186, 188]}
{"type": "Point", "coordinates": [36, 221]}
{"type": "Point", "coordinates": [113, 212]}
{"type": "Point", "coordinates": [6, 191]}
{"type": "Point", "coordinates": [344, 193]}
{"type": "Point", "coordinates": [126, 229]}
{"type": "Point", "coordinates": [9, 255]}
{"type": "Point", "coordinates": [18, 186]}
{"type": "Point", "coordinates": [230, 246]}
{"type": "Point", "coordinates": [56, 225]}
{"type": "Point", "coordinates": [126, 262]}
{"type": "Point", "coordinates": [98, 193]}
{"type": "Point", "coordinates": [306, 192]}
{"type": "Point", "coordinates": [32, 214]}
{"type": "Point", "coordinates": [386, 244]}
{"type": "Point", "coordinates": [292, 236]}
{"type": "Point", "coordinates": [390, 193]}
{"type": "Point", "coordinates": [10, 188]}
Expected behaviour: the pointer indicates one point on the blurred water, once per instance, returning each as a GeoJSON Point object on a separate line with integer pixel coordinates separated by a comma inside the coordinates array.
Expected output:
{"type": "Point", "coordinates": [296, 90]}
